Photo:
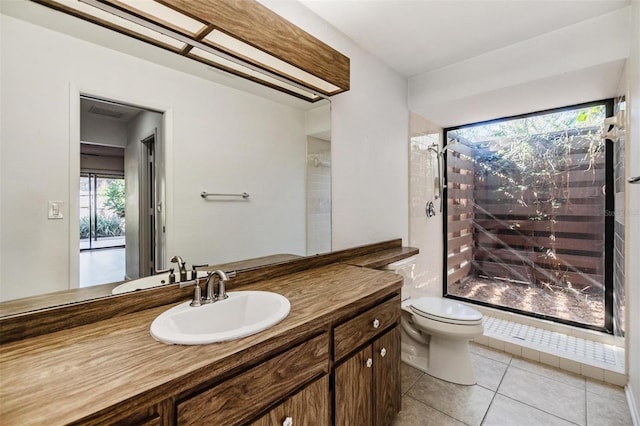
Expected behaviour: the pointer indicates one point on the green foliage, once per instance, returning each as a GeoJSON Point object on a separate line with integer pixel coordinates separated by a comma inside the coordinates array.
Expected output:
{"type": "Point", "coordinates": [530, 126]}
{"type": "Point", "coordinates": [114, 195]}
{"type": "Point", "coordinates": [531, 152]}
{"type": "Point", "coordinates": [108, 226]}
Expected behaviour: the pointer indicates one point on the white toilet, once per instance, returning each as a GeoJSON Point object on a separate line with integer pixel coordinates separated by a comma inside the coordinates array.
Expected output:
{"type": "Point", "coordinates": [436, 332]}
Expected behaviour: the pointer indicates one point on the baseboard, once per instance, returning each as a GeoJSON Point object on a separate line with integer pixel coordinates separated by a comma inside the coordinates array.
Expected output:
{"type": "Point", "coordinates": [633, 408]}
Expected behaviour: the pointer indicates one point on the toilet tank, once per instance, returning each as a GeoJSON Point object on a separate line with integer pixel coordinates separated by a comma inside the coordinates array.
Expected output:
{"type": "Point", "coordinates": [406, 269]}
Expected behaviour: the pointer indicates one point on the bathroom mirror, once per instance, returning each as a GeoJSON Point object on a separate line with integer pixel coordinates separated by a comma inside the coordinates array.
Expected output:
{"type": "Point", "coordinates": [221, 134]}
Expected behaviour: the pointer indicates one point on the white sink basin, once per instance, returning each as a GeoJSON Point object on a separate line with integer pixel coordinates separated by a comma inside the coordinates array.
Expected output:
{"type": "Point", "coordinates": [244, 313]}
{"type": "Point", "coordinates": [148, 282]}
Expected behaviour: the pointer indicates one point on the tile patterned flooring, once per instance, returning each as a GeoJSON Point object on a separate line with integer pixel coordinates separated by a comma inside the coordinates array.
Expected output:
{"type": "Point", "coordinates": [510, 391]}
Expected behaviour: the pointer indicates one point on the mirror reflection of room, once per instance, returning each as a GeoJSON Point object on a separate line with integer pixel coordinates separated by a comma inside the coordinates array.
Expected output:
{"type": "Point", "coordinates": [120, 207]}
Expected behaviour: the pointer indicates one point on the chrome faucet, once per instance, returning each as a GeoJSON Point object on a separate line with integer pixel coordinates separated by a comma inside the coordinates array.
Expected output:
{"type": "Point", "coordinates": [181, 267]}
{"type": "Point", "coordinates": [222, 279]}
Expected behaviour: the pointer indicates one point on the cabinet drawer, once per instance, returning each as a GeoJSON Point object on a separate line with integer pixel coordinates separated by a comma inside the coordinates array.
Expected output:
{"type": "Point", "coordinates": [239, 398]}
{"type": "Point", "coordinates": [310, 406]}
{"type": "Point", "coordinates": [364, 327]}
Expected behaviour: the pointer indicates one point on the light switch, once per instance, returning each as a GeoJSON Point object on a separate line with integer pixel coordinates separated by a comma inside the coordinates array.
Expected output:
{"type": "Point", "coordinates": [55, 209]}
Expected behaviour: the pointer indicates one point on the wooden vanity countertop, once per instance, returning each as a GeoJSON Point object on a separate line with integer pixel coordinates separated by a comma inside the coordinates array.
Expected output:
{"type": "Point", "coordinates": [384, 257]}
{"type": "Point", "coordinates": [108, 367]}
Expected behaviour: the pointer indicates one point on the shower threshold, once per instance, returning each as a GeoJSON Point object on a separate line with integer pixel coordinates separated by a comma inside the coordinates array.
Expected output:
{"type": "Point", "coordinates": [589, 355]}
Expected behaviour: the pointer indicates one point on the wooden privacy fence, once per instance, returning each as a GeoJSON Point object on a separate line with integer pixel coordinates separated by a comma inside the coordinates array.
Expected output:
{"type": "Point", "coordinates": [460, 212]}
{"type": "Point", "coordinates": [547, 229]}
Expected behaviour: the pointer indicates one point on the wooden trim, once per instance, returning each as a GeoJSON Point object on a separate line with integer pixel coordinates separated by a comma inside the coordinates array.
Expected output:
{"type": "Point", "coordinates": [22, 325]}
{"type": "Point", "coordinates": [255, 24]}
{"type": "Point", "coordinates": [252, 23]}
{"type": "Point", "coordinates": [383, 258]}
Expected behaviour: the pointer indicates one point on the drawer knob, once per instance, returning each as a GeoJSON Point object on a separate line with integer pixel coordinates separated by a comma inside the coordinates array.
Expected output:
{"type": "Point", "coordinates": [369, 362]}
{"type": "Point", "coordinates": [376, 323]}
{"type": "Point", "coordinates": [383, 352]}
{"type": "Point", "coordinates": [288, 422]}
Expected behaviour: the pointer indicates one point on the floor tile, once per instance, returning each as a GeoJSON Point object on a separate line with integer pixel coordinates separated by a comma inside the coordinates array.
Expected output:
{"type": "Point", "coordinates": [549, 372]}
{"type": "Point", "coordinates": [592, 372]}
{"type": "Point", "coordinates": [507, 412]}
{"type": "Point", "coordinates": [605, 389]}
{"type": "Point", "coordinates": [488, 352]}
{"type": "Point", "coordinates": [467, 404]}
{"type": "Point", "coordinates": [415, 413]}
{"type": "Point", "coordinates": [552, 396]}
{"type": "Point", "coordinates": [409, 376]}
{"type": "Point", "coordinates": [488, 372]}
{"type": "Point", "coordinates": [607, 411]}
{"type": "Point", "coordinates": [615, 378]}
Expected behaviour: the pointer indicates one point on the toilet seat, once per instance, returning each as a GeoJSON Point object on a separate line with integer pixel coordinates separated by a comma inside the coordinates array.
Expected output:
{"type": "Point", "coordinates": [443, 310]}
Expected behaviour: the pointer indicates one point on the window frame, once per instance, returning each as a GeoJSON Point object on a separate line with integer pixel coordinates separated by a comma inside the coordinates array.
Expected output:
{"type": "Point", "coordinates": [609, 223]}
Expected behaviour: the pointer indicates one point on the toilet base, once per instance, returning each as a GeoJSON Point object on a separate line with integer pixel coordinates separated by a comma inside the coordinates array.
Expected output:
{"type": "Point", "coordinates": [445, 359]}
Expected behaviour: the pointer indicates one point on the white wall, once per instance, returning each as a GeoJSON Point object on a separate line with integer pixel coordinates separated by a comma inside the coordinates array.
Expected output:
{"type": "Point", "coordinates": [579, 63]}
{"type": "Point", "coordinates": [632, 226]}
{"type": "Point", "coordinates": [213, 149]}
{"type": "Point", "coordinates": [318, 122]}
{"type": "Point", "coordinates": [369, 151]}
{"type": "Point", "coordinates": [103, 131]}
{"type": "Point", "coordinates": [141, 127]}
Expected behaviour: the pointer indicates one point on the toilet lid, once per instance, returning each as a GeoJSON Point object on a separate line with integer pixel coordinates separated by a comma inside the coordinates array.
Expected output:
{"type": "Point", "coordinates": [445, 310]}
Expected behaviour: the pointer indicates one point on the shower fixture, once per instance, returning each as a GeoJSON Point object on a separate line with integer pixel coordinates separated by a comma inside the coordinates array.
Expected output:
{"type": "Point", "coordinates": [440, 185]}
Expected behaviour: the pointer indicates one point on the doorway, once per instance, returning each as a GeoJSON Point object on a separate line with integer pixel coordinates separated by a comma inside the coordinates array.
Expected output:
{"type": "Point", "coordinates": [120, 203]}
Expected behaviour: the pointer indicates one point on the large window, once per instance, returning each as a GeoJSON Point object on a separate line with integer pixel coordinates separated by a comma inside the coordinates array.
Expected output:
{"type": "Point", "coordinates": [102, 209]}
{"type": "Point", "coordinates": [527, 227]}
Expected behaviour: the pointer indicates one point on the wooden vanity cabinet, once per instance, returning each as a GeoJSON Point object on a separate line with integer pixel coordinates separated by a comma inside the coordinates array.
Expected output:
{"type": "Point", "coordinates": [367, 382]}
{"type": "Point", "coordinates": [353, 390]}
{"type": "Point", "coordinates": [310, 406]}
{"type": "Point", "coordinates": [387, 392]}
{"type": "Point", "coordinates": [243, 397]}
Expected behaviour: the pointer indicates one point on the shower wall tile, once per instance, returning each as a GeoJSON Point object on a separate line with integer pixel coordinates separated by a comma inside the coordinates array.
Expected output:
{"type": "Point", "coordinates": [619, 240]}
{"type": "Point", "coordinates": [318, 197]}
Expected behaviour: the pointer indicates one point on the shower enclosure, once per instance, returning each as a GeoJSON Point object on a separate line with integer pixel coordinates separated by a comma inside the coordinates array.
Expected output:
{"type": "Point", "coordinates": [528, 210]}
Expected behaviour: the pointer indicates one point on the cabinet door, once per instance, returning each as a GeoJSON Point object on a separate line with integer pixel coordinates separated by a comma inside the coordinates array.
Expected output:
{"type": "Point", "coordinates": [353, 390]}
{"type": "Point", "coordinates": [386, 377]}
{"type": "Point", "coordinates": [310, 406]}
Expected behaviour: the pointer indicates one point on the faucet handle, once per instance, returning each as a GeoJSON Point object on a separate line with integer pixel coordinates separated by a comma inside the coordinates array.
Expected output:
{"type": "Point", "coordinates": [197, 293]}
{"type": "Point", "coordinates": [194, 271]}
